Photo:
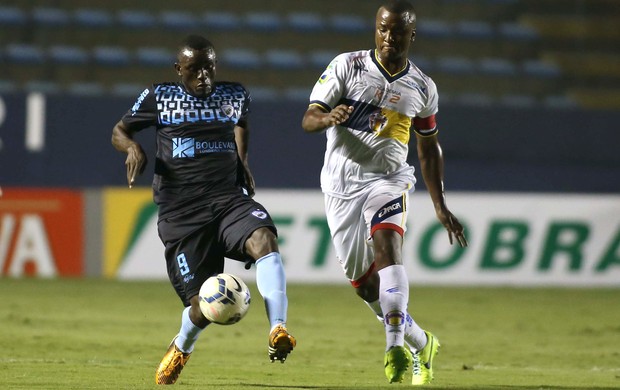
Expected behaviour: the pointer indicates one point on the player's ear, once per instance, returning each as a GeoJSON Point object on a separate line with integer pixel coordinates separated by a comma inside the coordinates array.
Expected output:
{"type": "Point", "coordinates": [177, 68]}
{"type": "Point", "coordinates": [413, 35]}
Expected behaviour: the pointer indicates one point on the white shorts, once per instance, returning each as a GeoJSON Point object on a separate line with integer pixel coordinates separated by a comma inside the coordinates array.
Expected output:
{"type": "Point", "coordinates": [352, 222]}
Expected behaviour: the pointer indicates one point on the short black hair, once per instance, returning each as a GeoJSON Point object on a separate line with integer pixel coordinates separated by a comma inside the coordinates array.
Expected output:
{"type": "Point", "coordinates": [196, 42]}
{"type": "Point", "coordinates": [400, 7]}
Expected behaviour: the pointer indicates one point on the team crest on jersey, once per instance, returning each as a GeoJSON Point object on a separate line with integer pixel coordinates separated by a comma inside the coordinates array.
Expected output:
{"type": "Point", "coordinates": [228, 110]}
{"type": "Point", "coordinates": [260, 214]}
{"type": "Point", "coordinates": [377, 121]}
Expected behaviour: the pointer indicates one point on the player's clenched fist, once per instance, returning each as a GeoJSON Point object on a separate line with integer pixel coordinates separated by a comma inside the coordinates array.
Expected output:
{"type": "Point", "coordinates": [339, 114]}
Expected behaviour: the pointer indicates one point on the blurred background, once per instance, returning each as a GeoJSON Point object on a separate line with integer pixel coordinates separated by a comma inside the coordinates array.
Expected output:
{"type": "Point", "coordinates": [529, 89]}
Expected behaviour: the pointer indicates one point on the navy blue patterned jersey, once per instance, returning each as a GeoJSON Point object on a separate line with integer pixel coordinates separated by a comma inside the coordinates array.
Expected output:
{"type": "Point", "coordinates": [196, 159]}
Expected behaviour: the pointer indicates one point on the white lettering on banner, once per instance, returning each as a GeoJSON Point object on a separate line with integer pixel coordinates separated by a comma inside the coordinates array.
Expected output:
{"type": "Point", "coordinates": [35, 122]}
{"type": "Point", "coordinates": [2, 111]}
{"type": "Point", "coordinates": [7, 224]}
{"type": "Point", "coordinates": [515, 239]}
{"type": "Point", "coordinates": [31, 246]}
{"type": "Point", "coordinates": [2, 118]}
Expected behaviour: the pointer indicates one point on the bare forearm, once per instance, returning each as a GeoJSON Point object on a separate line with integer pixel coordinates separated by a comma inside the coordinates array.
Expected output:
{"type": "Point", "coordinates": [316, 120]}
{"type": "Point", "coordinates": [122, 139]}
{"type": "Point", "coordinates": [242, 138]}
{"type": "Point", "coordinates": [431, 164]}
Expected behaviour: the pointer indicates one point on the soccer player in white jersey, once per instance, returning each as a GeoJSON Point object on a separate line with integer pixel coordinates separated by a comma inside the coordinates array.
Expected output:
{"type": "Point", "coordinates": [368, 102]}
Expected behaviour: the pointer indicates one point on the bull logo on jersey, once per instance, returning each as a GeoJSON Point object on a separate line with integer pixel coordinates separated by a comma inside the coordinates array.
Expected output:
{"type": "Point", "coordinates": [377, 121]}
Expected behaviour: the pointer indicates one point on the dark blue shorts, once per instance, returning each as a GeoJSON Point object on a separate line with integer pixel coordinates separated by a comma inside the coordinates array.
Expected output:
{"type": "Point", "coordinates": [198, 241]}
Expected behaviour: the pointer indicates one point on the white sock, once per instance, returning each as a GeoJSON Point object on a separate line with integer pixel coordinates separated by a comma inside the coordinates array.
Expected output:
{"type": "Point", "coordinates": [414, 335]}
{"type": "Point", "coordinates": [271, 283]}
{"type": "Point", "coordinates": [188, 334]}
{"type": "Point", "coordinates": [393, 297]}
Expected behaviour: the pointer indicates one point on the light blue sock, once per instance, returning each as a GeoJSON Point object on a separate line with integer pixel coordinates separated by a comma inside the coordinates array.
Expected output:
{"type": "Point", "coordinates": [188, 334]}
{"type": "Point", "coordinates": [271, 283]}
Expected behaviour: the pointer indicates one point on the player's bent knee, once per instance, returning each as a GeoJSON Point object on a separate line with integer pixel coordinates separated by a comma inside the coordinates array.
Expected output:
{"type": "Point", "coordinates": [261, 242]}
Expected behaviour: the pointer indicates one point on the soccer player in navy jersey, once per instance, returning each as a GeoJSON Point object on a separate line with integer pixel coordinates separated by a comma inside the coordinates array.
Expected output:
{"type": "Point", "coordinates": [368, 103]}
{"type": "Point", "coordinates": [203, 188]}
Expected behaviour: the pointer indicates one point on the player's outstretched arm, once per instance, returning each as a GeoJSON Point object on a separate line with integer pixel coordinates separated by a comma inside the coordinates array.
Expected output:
{"type": "Point", "coordinates": [431, 164]}
{"type": "Point", "coordinates": [122, 140]}
{"type": "Point", "coordinates": [316, 120]}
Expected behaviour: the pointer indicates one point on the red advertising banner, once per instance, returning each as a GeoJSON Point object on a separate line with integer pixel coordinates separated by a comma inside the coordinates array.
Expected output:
{"type": "Point", "coordinates": [41, 232]}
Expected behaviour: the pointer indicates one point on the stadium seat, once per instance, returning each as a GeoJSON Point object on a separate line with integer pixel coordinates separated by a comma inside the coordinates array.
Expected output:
{"type": "Point", "coordinates": [241, 58]}
{"type": "Point", "coordinates": [178, 20]}
{"type": "Point", "coordinates": [68, 55]}
{"type": "Point", "coordinates": [305, 21]}
{"type": "Point", "coordinates": [86, 88]}
{"type": "Point", "coordinates": [46, 87]}
{"type": "Point", "coordinates": [344, 23]}
{"type": "Point", "coordinates": [424, 63]}
{"type": "Point", "coordinates": [517, 101]}
{"type": "Point", "coordinates": [111, 56]}
{"type": "Point", "coordinates": [284, 59]}
{"type": "Point", "coordinates": [300, 94]}
{"type": "Point", "coordinates": [517, 32]}
{"type": "Point", "coordinates": [321, 58]}
{"type": "Point", "coordinates": [263, 21]}
{"type": "Point", "coordinates": [51, 17]}
{"type": "Point", "coordinates": [127, 89]}
{"type": "Point", "coordinates": [497, 67]}
{"type": "Point", "coordinates": [263, 93]}
{"type": "Point", "coordinates": [12, 16]}
{"type": "Point", "coordinates": [21, 53]}
{"type": "Point", "coordinates": [221, 21]}
{"type": "Point", "coordinates": [455, 65]}
{"type": "Point", "coordinates": [559, 101]}
{"type": "Point", "coordinates": [476, 99]}
{"type": "Point", "coordinates": [474, 29]}
{"type": "Point", "coordinates": [155, 56]}
{"type": "Point", "coordinates": [135, 19]}
{"type": "Point", "coordinates": [542, 69]}
{"type": "Point", "coordinates": [432, 28]}
{"type": "Point", "coordinates": [92, 18]}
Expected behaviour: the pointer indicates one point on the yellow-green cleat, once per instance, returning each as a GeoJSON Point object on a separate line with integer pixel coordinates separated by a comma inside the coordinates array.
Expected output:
{"type": "Point", "coordinates": [423, 361]}
{"type": "Point", "coordinates": [397, 362]}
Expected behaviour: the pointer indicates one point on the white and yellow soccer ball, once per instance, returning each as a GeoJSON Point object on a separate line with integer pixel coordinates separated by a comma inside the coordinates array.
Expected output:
{"type": "Point", "coordinates": [224, 299]}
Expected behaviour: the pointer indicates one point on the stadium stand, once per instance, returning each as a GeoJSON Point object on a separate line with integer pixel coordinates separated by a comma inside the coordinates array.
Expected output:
{"type": "Point", "coordinates": [555, 52]}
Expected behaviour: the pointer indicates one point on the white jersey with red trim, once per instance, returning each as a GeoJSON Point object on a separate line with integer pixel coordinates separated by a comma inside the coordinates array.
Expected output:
{"type": "Point", "coordinates": [373, 142]}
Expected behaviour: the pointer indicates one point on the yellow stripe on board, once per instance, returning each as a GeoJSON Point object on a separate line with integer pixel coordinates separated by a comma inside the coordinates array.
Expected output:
{"type": "Point", "coordinates": [121, 207]}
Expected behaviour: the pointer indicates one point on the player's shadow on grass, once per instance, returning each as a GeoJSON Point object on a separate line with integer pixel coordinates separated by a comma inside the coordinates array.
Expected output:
{"type": "Point", "coordinates": [266, 386]}
{"type": "Point", "coordinates": [374, 387]}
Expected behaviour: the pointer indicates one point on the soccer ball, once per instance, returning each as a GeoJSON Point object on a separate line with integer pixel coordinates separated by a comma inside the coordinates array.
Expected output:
{"type": "Point", "coordinates": [224, 299]}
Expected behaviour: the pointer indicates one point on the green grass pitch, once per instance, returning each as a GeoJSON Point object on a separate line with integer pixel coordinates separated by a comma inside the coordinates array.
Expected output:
{"type": "Point", "coordinates": [103, 334]}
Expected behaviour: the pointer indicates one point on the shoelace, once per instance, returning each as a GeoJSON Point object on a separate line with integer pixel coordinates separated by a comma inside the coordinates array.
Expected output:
{"type": "Point", "coordinates": [177, 359]}
{"type": "Point", "coordinates": [417, 370]}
